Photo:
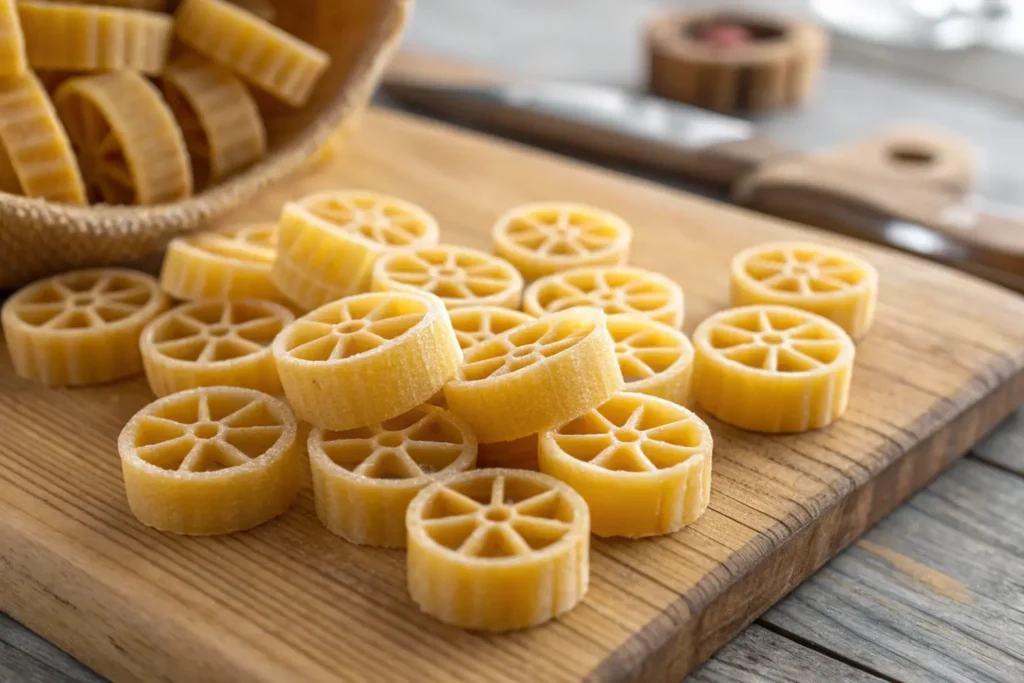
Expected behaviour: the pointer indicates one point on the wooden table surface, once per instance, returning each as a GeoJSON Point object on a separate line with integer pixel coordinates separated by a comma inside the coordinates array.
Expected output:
{"type": "Point", "coordinates": [934, 592]}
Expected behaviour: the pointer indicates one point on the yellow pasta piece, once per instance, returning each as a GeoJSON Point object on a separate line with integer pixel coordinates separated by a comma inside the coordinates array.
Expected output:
{"type": "Point", "coordinates": [129, 145]}
{"type": "Point", "coordinates": [772, 368]}
{"type": "Point", "coordinates": [35, 144]}
{"type": "Point", "coordinates": [12, 42]}
{"type": "Point", "coordinates": [233, 263]}
{"type": "Point", "coordinates": [212, 343]}
{"type": "Point", "coordinates": [541, 239]}
{"type": "Point", "coordinates": [498, 549]}
{"type": "Point", "coordinates": [218, 117]}
{"type": "Point", "coordinates": [536, 376]}
{"type": "Point", "coordinates": [654, 358]}
{"type": "Point", "coordinates": [211, 460]}
{"type": "Point", "coordinates": [476, 324]}
{"type": "Point", "coordinates": [329, 242]}
{"type": "Point", "coordinates": [830, 282]}
{"type": "Point", "coordinates": [66, 37]}
{"type": "Point", "coordinates": [460, 276]}
{"type": "Point", "coordinates": [366, 358]}
{"type": "Point", "coordinates": [151, 5]}
{"type": "Point", "coordinates": [364, 479]}
{"type": "Point", "coordinates": [642, 464]}
{"type": "Point", "coordinates": [617, 289]}
{"type": "Point", "coordinates": [263, 54]}
{"type": "Point", "coordinates": [81, 327]}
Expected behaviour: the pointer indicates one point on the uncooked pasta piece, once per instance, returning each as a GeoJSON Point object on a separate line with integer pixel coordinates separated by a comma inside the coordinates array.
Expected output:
{"type": "Point", "coordinates": [366, 358]}
{"type": "Point", "coordinates": [459, 276]}
{"type": "Point", "coordinates": [214, 342]}
{"type": "Point", "coordinates": [35, 144]}
{"type": "Point", "coordinates": [329, 242]}
{"type": "Point", "coordinates": [830, 282]}
{"type": "Point", "coordinates": [12, 42]}
{"type": "Point", "coordinates": [211, 460]}
{"type": "Point", "coordinates": [365, 478]}
{"type": "Point", "coordinates": [69, 37]}
{"type": "Point", "coordinates": [536, 376]}
{"type": "Point", "coordinates": [772, 368]}
{"type": "Point", "coordinates": [263, 54]}
{"type": "Point", "coordinates": [654, 358]}
{"type": "Point", "coordinates": [643, 464]}
{"type": "Point", "coordinates": [541, 239]}
{"type": "Point", "coordinates": [81, 327]}
{"type": "Point", "coordinates": [218, 117]}
{"type": "Point", "coordinates": [498, 549]}
{"type": "Point", "coordinates": [129, 146]}
{"type": "Point", "coordinates": [617, 289]}
{"type": "Point", "coordinates": [232, 263]}
{"type": "Point", "coordinates": [476, 324]}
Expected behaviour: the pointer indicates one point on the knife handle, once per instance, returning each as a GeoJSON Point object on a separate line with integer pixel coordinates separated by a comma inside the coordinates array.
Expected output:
{"type": "Point", "coordinates": [721, 164]}
{"type": "Point", "coordinates": [919, 218]}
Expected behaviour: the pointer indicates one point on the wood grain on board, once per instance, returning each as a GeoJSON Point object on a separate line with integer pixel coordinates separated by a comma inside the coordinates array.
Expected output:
{"type": "Point", "coordinates": [289, 601]}
{"type": "Point", "coordinates": [933, 594]}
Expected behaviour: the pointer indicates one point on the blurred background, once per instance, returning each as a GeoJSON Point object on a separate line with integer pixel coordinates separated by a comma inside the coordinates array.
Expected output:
{"type": "Point", "coordinates": [955, 64]}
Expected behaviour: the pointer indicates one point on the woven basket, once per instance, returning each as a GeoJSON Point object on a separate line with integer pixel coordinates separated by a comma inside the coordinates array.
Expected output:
{"type": "Point", "coordinates": [39, 238]}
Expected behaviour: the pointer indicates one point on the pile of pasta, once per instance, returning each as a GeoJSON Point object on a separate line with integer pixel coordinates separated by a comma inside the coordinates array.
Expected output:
{"type": "Point", "coordinates": [119, 102]}
{"type": "Point", "coordinates": [486, 411]}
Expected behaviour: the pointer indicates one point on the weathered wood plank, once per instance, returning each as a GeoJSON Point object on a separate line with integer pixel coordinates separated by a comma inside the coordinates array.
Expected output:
{"type": "Point", "coordinates": [759, 656]}
{"type": "Point", "coordinates": [27, 658]}
{"type": "Point", "coordinates": [1005, 446]}
{"type": "Point", "coordinates": [934, 593]}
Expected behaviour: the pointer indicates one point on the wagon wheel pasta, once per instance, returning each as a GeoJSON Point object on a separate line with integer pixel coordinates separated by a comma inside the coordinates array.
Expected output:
{"type": "Point", "coordinates": [496, 550]}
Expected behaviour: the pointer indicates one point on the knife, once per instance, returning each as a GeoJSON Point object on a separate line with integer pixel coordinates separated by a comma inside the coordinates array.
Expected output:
{"type": "Point", "coordinates": [849, 189]}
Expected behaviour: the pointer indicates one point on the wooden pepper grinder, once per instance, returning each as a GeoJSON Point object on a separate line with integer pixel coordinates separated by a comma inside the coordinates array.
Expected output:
{"type": "Point", "coordinates": [734, 61]}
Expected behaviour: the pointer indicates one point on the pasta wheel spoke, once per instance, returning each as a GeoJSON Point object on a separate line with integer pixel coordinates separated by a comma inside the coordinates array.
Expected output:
{"type": "Point", "coordinates": [797, 363]}
{"type": "Point", "coordinates": [614, 289]}
{"type": "Point", "coordinates": [643, 464]}
{"type": "Point", "coordinates": [482, 525]}
{"type": "Point", "coordinates": [235, 466]}
{"type": "Point", "coordinates": [833, 283]}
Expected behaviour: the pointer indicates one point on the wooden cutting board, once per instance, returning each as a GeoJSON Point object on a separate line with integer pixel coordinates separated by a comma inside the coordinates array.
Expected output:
{"type": "Point", "coordinates": [290, 602]}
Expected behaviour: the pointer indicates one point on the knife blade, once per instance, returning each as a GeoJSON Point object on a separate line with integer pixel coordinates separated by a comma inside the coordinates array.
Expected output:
{"type": "Point", "coordinates": [849, 190]}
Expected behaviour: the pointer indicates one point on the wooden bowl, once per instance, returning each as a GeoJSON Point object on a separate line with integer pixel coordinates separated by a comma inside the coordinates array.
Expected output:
{"type": "Point", "coordinates": [39, 238]}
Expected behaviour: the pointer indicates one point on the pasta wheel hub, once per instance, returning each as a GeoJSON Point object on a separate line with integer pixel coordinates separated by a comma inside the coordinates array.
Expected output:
{"type": "Point", "coordinates": [482, 537]}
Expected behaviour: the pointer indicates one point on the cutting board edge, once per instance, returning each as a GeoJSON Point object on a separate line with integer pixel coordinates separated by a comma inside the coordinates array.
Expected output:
{"type": "Point", "coordinates": [818, 541]}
